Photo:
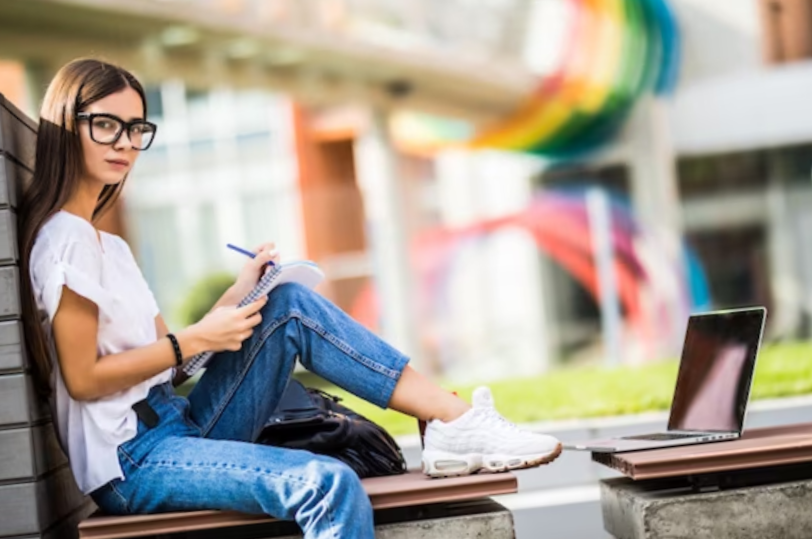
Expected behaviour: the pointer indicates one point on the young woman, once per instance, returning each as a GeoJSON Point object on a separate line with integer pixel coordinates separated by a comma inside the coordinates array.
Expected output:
{"type": "Point", "coordinates": [105, 357]}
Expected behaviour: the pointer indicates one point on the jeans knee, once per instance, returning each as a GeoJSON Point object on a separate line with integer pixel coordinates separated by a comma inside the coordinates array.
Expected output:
{"type": "Point", "coordinates": [289, 295]}
{"type": "Point", "coordinates": [335, 501]}
{"type": "Point", "coordinates": [341, 487]}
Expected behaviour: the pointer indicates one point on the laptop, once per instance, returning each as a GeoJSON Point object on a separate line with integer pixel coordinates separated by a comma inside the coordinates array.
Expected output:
{"type": "Point", "coordinates": [713, 384]}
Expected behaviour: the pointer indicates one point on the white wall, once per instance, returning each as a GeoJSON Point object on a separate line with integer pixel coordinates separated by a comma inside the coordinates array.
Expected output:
{"type": "Point", "coordinates": [720, 37]}
{"type": "Point", "coordinates": [745, 110]}
{"type": "Point", "coordinates": [728, 98]}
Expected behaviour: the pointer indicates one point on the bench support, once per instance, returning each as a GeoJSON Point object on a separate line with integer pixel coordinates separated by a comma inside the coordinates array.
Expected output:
{"type": "Point", "coordinates": [708, 507]}
{"type": "Point", "coordinates": [468, 520]}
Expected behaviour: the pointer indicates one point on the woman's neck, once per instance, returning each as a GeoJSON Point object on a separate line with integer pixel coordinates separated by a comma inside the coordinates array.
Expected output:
{"type": "Point", "coordinates": [83, 201]}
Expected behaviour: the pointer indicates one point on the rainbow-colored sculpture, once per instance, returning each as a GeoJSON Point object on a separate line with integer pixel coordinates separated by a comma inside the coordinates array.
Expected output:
{"type": "Point", "coordinates": [656, 294]}
{"type": "Point", "coordinates": [616, 51]}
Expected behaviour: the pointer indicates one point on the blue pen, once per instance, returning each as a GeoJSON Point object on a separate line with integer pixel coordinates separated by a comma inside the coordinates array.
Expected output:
{"type": "Point", "coordinates": [246, 253]}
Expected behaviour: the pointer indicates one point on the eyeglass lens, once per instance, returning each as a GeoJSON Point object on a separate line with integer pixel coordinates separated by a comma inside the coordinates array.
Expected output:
{"type": "Point", "coordinates": [106, 130]}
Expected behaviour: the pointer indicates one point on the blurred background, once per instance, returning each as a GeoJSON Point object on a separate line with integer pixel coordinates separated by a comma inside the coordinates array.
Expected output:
{"type": "Point", "coordinates": [534, 193]}
{"type": "Point", "coordinates": [499, 188]}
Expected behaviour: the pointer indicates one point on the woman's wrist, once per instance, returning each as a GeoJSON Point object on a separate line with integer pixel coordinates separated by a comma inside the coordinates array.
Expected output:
{"type": "Point", "coordinates": [190, 344]}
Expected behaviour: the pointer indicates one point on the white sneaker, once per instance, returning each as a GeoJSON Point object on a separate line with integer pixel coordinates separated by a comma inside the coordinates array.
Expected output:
{"type": "Point", "coordinates": [482, 439]}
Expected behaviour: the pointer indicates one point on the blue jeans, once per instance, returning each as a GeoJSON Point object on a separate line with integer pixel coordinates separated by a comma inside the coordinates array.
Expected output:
{"type": "Point", "coordinates": [201, 455]}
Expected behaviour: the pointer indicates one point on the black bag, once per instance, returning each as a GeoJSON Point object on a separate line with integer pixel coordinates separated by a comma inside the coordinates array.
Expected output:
{"type": "Point", "coordinates": [311, 419]}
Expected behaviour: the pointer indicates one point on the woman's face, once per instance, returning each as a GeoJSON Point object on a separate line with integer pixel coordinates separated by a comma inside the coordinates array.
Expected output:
{"type": "Point", "coordinates": [110, 163]}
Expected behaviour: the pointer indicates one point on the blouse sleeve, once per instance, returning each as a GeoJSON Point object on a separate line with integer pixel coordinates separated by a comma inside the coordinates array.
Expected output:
{"type": "Point", "coordinates": [77, 266]}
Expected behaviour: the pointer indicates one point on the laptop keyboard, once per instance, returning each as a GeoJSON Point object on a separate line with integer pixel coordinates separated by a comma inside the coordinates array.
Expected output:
{"type": "Point", "coordinates": [661, 436]}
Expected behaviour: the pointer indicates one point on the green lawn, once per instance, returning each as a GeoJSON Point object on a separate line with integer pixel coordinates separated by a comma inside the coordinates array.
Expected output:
{"type": "Point", "coordinates": [783, 370]}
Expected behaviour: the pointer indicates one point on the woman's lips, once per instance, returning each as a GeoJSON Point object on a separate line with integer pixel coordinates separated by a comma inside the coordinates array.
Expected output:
{"type": "Point", "coordinates": [115, 163]}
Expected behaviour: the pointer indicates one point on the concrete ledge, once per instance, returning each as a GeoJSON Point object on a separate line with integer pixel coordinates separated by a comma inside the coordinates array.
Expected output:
{"type": "Point", "coordinates": [652, 510]}
{"type": "Point", "coordinates": [477, 519]}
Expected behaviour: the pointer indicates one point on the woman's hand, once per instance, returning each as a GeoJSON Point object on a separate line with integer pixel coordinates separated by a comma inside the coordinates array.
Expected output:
{"type": "Point", "coordinates": [253, 270]}
{"type": "Point", "coordinates": [225, 328]}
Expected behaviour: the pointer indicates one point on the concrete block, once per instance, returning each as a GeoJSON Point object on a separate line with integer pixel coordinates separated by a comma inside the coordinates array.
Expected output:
{"type": "Point", "coordinates": [476, 519]}
{"type": "Point", "coordinates": [492, 525]}
{"type": "Point", "coordinates": [9, 293]}
{"type": "Point", "coordinates": [28, 453]}
{"type": "Point", "coordinates": [8, 237]}
{"type": "Point", "coordinates": [34, 507]}
{"type": "Point", "coordinates": [12, 352]}
{"type": "Point", "coordinates": [19, 403]}
{"type": "Point", "coordinates": [649, 510]}
{"type": "Point", "coordinates": [18, 134]}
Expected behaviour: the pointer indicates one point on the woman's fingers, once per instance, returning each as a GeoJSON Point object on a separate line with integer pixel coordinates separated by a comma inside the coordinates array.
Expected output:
{"type": "Point", "coordinates": [253, 320]}
{"type": "Point", "coordinates": [246, 311]}
{"type": "Point", "coordinates": [267, 246]}
{"type": "Point", "coordinates": [265, 253]}
{"type": "Point", "coordinates": [266, 256]}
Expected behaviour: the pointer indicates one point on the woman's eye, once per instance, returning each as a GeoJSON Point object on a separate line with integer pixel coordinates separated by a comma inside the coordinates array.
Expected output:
{"type": "Point", "coordinates": [137, 129]}
{"type": "Point", "coordinates": [104, 124]}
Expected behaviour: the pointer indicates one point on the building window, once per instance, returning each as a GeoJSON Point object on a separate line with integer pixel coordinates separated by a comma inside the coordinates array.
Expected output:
{"type": "Point", "coordinates": [155, 105]}
{"type": "Point", "coordinates": [704, 176]}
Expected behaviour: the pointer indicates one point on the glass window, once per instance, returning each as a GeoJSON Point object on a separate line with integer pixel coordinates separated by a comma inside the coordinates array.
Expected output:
{"type": "Point", "coordinates": [155, 106]}
{"type": "Point", "coordinates": [208, 238]}
{"type": "Point", "coordinates": [725, 173]}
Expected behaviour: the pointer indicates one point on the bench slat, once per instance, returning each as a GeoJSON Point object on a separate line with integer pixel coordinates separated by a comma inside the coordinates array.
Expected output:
{"type": "Point", "coordinates": [12, 176]}
{"type": "Point", "coordinates": [756, 448]}
{"type": "Point", "coordinates": [13, 357]}
{"type": "Point", "coordinates": [18, 134]}
{"type": "Point", "coordinates": [33, 507]}
{"type": "Point", "coordinates": [19, 403]}
{"type": "Point", "coordinates": [384, 492]}
{"type": "Point", "coordinates": [9, 293]}
{"type": "Point", "coordinates": [29, 453]}
{"type": "Point", "coordinates": [8, 237]}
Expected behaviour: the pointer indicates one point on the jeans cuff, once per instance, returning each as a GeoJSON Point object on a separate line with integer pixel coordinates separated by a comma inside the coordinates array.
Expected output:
{"type": "Point", "coordinates": [384, 395]}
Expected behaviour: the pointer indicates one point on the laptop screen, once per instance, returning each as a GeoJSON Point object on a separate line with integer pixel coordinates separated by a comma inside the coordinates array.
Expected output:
{"type": "Point", "coordinates": [716, 369]}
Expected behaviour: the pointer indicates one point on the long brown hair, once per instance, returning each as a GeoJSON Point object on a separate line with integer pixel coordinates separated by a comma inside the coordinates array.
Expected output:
{"type": "Point", "coordinates": [57, 173]}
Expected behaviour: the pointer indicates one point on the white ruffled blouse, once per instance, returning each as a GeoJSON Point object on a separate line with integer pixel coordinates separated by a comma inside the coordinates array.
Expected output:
{"type": "Point", "coordinates": [68, 252]}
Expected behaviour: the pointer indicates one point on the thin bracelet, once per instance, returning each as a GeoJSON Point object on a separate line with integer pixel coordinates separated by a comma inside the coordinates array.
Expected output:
{"type": "Point", "coordinates": [176, 346]}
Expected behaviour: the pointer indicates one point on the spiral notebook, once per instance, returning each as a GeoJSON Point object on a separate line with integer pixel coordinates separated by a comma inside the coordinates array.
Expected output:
{"type": "Point", "coordinates": [303, 272]}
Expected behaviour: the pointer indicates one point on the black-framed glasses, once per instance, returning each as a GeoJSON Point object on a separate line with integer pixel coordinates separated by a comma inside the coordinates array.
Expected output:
{"type": "Point", "coordinates": [107, 129]}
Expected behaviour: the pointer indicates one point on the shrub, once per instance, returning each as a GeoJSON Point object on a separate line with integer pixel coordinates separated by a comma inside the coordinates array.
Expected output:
{"type": "Point", "coordinates": [202, 296]}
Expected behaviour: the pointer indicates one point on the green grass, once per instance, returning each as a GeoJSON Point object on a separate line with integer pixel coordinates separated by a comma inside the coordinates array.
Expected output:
{"type": "Point", "coordinates": [783, 370]}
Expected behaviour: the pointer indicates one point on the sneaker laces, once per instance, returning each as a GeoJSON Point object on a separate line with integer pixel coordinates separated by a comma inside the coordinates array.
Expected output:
{"type": "Point", "coordinates": [492, 418]}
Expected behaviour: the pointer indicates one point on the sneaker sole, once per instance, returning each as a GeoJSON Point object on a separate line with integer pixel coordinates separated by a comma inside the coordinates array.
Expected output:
{"type": "Point", "coordinates": [442, 464]}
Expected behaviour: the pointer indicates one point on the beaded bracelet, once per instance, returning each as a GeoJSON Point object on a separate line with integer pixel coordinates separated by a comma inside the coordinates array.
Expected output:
{"type": "Point", "coordinates": [176, 346]}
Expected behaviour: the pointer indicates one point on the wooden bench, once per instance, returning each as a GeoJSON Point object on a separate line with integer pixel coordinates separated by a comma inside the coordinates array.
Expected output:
{"type": "Point", "coordinates": [759, 487]}
{"type": "Point", "coordinates": [38, 495]}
